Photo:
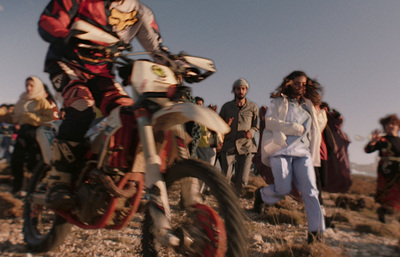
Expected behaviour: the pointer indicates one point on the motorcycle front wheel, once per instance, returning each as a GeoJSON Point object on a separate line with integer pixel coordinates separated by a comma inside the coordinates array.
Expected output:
{"type": "Point", "coordinates": [43, 229]}
{"type": "Point", "coordinates": [215, 225]}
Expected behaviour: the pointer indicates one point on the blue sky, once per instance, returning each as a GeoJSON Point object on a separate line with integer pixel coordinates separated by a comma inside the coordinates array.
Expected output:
{"type": "Point", "coordinates": [351, 47]}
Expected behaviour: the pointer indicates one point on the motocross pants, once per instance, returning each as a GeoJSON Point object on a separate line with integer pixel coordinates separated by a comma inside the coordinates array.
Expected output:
{"type": "Point", "coordinates": [82, 92]}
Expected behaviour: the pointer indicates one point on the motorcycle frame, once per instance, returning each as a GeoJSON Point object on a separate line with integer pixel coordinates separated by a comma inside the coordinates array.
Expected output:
{"type": "Point", "coordinates": [170, 119]}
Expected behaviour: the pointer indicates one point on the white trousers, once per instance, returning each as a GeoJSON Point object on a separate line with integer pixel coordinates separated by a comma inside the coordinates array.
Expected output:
{"type": "Point", "coordinates": [301, 171]}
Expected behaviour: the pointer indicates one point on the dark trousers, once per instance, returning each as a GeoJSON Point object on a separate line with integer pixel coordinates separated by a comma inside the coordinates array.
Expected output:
{"type": "Point", "coordinates": [238, 165]}
{"type": "Point", "coordinates": [26, 150]}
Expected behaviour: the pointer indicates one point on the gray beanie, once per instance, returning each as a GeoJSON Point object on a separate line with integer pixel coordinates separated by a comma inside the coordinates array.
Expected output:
{"type": "Point", "coordinates": [240, 82]}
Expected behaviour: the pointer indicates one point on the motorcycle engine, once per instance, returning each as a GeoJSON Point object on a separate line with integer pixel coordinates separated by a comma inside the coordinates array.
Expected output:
{"type": "Point", "coordinates": [92, 202]}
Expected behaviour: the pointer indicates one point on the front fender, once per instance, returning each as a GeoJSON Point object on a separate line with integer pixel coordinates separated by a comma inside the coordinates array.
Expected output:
{"type": "Point", "coordinates": [181, 113]}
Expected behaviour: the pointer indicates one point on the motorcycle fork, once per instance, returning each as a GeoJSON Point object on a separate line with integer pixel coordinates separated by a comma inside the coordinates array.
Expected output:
{"type": "Point", "coordinates": [190, 187]}
{"type": "Point", "coordinates": [159, 205]}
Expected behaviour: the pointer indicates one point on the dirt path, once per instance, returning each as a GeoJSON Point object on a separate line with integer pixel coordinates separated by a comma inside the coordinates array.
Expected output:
{"type": "Point", "coordinates": [357, 233]}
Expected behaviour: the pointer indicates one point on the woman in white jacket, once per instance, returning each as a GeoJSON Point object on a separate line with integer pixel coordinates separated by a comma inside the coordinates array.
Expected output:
{"type": "Point", "coordinates": [291, 146]}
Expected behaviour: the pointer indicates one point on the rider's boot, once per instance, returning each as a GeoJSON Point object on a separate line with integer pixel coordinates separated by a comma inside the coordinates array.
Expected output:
{"type": "Point", "coordinates": [161, 215]}
{"type": "Point", "coordinates": [65, 160]}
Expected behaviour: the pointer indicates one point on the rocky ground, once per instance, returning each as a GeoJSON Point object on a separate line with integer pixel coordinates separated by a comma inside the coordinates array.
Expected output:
{"type": "Point", "coordinates": [278, 231]}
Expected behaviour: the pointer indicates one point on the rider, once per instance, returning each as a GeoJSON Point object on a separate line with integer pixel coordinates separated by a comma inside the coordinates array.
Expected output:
{"type": "Point", "coordinates": [84, 77]}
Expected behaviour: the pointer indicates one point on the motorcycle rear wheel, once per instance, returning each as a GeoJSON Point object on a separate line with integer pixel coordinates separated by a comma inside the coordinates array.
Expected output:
{"type": "Point", "coordinates": [43, 229]}
{"type": "Point", "coordinates": [215, 225]}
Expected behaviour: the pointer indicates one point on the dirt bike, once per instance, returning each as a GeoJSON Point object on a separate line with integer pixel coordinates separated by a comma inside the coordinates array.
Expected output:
{"type": "Point", "coordinates": [181, 219]}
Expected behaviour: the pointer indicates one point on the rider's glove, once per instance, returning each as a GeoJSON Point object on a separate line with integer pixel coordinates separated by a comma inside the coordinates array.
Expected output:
{"type": "Point", "coordinates": [181, 65]}
{"type": "Point", "coordinates": [125, 72]}
{"type": "Point", "coordinates": [192, 75]}
{"type": "Point", "coordinates": [62, 48]}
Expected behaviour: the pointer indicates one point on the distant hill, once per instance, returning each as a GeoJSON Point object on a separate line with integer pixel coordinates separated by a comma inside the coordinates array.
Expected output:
{"type": "Point", "coordinates": [364, 169]}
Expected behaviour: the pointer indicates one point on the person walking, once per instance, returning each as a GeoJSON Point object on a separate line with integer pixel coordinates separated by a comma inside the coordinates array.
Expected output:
{"type": "Point", "coordinates": [291, 147]}
{"type": "Point", "coordinates": [388, 182]}
{"type": "Point", "coordinates": [239, 144]}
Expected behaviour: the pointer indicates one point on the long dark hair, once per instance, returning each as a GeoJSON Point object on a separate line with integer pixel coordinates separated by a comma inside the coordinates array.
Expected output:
{"type": "Point", "coordinates": [314, 90]}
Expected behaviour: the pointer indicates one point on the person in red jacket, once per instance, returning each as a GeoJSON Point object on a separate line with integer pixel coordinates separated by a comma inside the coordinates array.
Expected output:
{"type": "Point", "coordinates": [80, 66]}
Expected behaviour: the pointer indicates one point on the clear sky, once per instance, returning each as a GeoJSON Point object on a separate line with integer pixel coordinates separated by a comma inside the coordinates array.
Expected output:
{"type": "Point", "coordinates": [351, 47]}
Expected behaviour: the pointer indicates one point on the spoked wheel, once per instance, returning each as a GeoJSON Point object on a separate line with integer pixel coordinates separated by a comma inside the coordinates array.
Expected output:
{"type": "Point", "coordinates": [214, 225]}
{"type": "Point", "coordinates": [43, 229]}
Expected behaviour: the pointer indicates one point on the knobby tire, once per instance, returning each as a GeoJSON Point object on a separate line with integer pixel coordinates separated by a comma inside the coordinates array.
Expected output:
{"type": "Point", "coordinates": [36, 240]}
{"type": "Point", "coordinates": [227, 200]}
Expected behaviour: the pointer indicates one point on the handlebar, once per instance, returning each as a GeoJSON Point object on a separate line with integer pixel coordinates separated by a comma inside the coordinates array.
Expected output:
{"type": "Point", "coordinates": [188, 67]}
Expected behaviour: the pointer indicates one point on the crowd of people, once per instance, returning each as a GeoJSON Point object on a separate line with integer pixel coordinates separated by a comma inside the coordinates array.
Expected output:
{"type": "Point", "coordinates": [302, 149]}
{"type": "Point", "coordinates": [301, 145]}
